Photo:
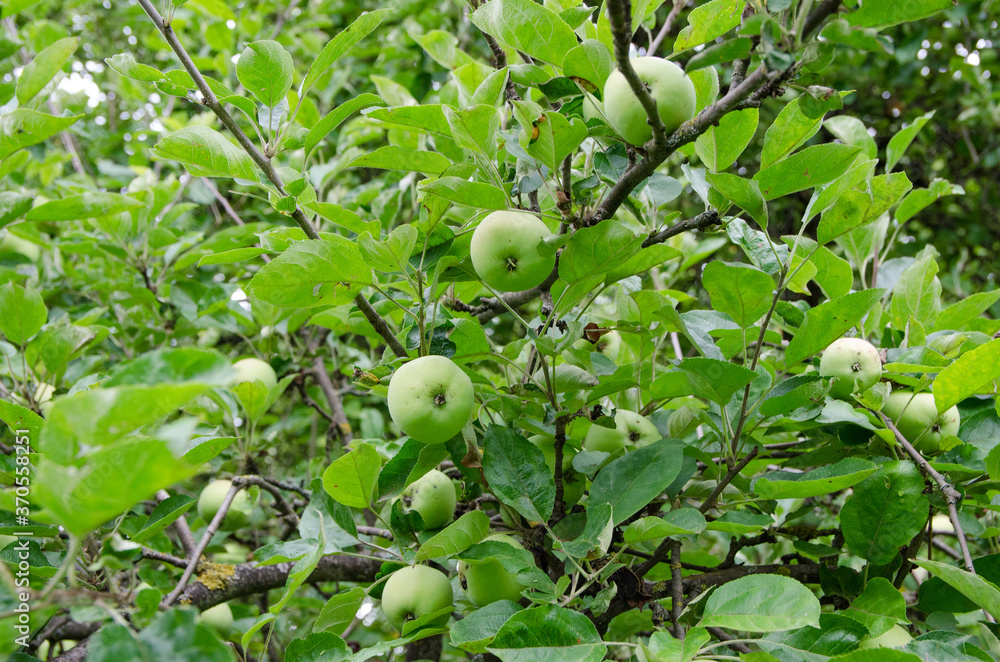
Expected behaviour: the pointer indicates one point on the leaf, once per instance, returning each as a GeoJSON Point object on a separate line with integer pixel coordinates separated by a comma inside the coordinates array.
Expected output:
{"type": "Point", "coordinates": [549, 633]}
{"type": "Point", "coordinates": [516, 472]}
{"type": "Point", "coordinates": [629, 483]}
{"type": "Point", "coordinates": [37, 73]}
{"type": "Point", "coordinates": [591, 61]}
{"type": "Point", "coordinates": [391, 157]}
{"type": "Point", "coordinates": [879, 608]}
{"type": "Point", "coordinates": [265, 69]}
{"type": "Point", "coordinates": [742, 192]}
{"type": "Point", "coordinates": [721, 145]}
{"type": "Point", "coordinates": [683, 521]}
{"type": "Point", "coordinates": [18, 418]}
{"type": "Point", "coordinates": [345, 218]}
{"type": "Point", "coordinates": [474, 128]}
{"type": "Point", "coordinates": [351, 479]}
{"type": "Point", "coordinates": [125, 64]}
{"type": "Point", "coordinates": [983, 593]}
{"type": "Point", "coordinates": [345, 40]}
{"type": "Point", "coordinates": [597, 250]}
{"type": "Point", "coordinates": [643, 261]}
{"type": "Point", "coordinates": [789, 131]}
{"type": "Point", "coordinates": [527, 26]}
{"type": "Point", "coordinates": [740, 522]}
{"type": "Point", "coordinates": [428, 118]}
{"type": "Point", "coordinates": [165, 514]}
{"type": "Point", "coordinates": [916, 295]}
{"type": "Point", "coordinates": [714, 379]}
{"type": "Point", "coordinates": [457, 537]}
{"type": "Point", "coordinates": [336, 117]}
{"type": "Point", "coordinates": [885, 511]}
{"type": "Point", "coordinates": [261, 621]}
{"type": "Point", "coordinates": [957, 315]}
{"type": "Point", "coordinates": [298, 575]}
{"type": "Point", "coordinates": [899, 143]}
{"type": "Point", "coordinates": [793, 393]}
{"type": "Point", "coordinates": [235, 256]}
{"type": "Point", "coordinates": [761, 603]}
{"type": "Point", "coordinates": [13, 206]}
{"type": "Point", "coordinates": [857, 208]}
{"type": "Point", "coordinates": [741, 291]}
{"type": "Point", "coordinates": [920, 198]}
{"type": "Point", "coordinates": [24, 313]}
{"type": "Point", "coordinates": [974, 372]}
{"type": "Point", "coordinates": [708, 22]}
{"type": "Point", "coordinates": [340, 610]}
{"type": "Point", "coordinates": [91, 204]}
{"type": "Point", "coordinates": [836, 634]}
{"type": "Point", "coordinates": [477, 630]}
{"type": "Point", "coordinates": [812, 167]}
{"type": "Point", "coordinates": [206, 153]}
{"type": "Point", "coordinates": [463, 192]}
{"type": "Point", "coordinates": [824, 480]}
{"type": "Point", "coordinates": [852, 131]}
{"type": "Point", "coordinates": [312, 273]}
{"type": "Point", "coordinates": [318, 647]}
{"type": "Point", "coordinates": [557, 138]}
{"type": "Point", "coordinates": [391, 255]}
{"type": "Point", "coordinates": [22, 128]}
{"type": "Point", "coordinates": [884, 13]}
{"type": "Point", "coordinates": [829, 321]}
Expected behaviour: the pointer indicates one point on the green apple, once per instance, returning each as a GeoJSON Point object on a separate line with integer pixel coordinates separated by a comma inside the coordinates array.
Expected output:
{"type": "Point", "coordinates": [11, 243]}
{"type": "Point", "coordinates": [669, 87]}
{"type": "Point", "coordinates": [850, 361]}
{"type": "Point", "coordinates": [219, 618]}
{"type": "Point", "coordinates": [592, 109]}
{"type": "Point", "coordinates": [916, 417]}
{"type": "Point", "coordinates": [42, 652]}
{"type": "Point", "coordinates": [631, 429]}
{"type": "Point", "coordinates": [573, 481]}
{"type": "Point", "coordinates": [488, 582]}
{"type": "Point", "coordinates": [413, 592]}
{"type": "Point", "coordinates": [896, 637]}
{"type": "Point", "coordinates": [430, 399]}
{"type": "Point", "coordinates": [433, 495]}
{"type": "Point", "coordinates": [211, 500]}
{"type": "Point", "coordinates": [504, 251]}
{"type": "Point", "coordinates": [249, 370]}
{"type": "Point", "coordinates": [235, 554]}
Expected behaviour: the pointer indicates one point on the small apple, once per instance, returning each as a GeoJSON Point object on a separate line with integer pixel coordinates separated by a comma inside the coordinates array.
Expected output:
{"type": "Point", "coordinates": [430, 399]}
{"type": "Point", "coordinates": [850, 361]}
{"type": "Point", "coordinates": [573, 481]}
{"type": "Point", "coordinates": [249, 370]}
{"type": "Point", "coordinates": [433, 495]}
{"type": "Point", "coordinates": [896, 637]}
{"type": "Point", "coordinates": [211, 500]}
{"type": "Point", "coordinates": [413, 592]}
{"type": "Point", "coordinates": [916, 417]}
{"type": "Point", "coordinates": [669, 87]}
{"type": "Point", "coordinates": [631, 429]}
{"type": "Point", "coordinates": [11, 243]}
{"type": "Point", "coordinates": [488, 582]}
{"type": "Point", "coordinates": [219, 618]}
{"type": "Point", "coordinates": [592, 109]}
{"type": "Point", "coordinates": [44, 648]}
{"type": "Point", "coordinates": [504, 251]}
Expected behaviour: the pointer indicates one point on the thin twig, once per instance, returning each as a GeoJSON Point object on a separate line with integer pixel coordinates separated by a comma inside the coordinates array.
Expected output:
{"type": "Point", "coordinates": [338, 417]}
{"type": "Point", "coordinates": [676, 588]}
{"type": "Point", "coordinates": [736, 469]}
{"type": "Point", "coordinates": [280, 502]}
{"type": "Point", "coordinates": [668, 26]}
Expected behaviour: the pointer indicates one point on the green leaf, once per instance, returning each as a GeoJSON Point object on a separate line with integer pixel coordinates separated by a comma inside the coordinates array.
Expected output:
{"type": "Point", "coordinates": [457, 537]}
{"type": "Point", "coordinates": [597, 250]}
{"type": "Point", "coordinates": [974, 372]}
{"type": "Point", "coordinates": [428, 118]}
{"type": "Point", "coordinates": [516, 471]}
{"type": "Point", "coordinates": [899, 143]}
{"type": "Point", "coordinates": [824, 480]}
{"type": "Point", "coordinates": [683, 521]}
{"type": "Point", "coordinates": [318, 647]}
{"type": "Point", "coordinates": [340, 610]}
{"type": "Point", "coordinates": [345, 40]}
{"type": "Point", "coordinates": [708, 22]}
{"type": "Point", "coordinates": [742, 192]}
{"type": "Point", "coordinates": [391, 255]}
{"type": "Point", "coordinates": [852, 131]}
{"type": "Point", "coordinates": [885, 511]}
{"type": "Point", "coordinates": [884, 13]}
{"type": "Point", "coordinates": [13, 206]}
{"type": "Point", "coordinates": [261, 621]}
{"type": "Point", "coordinates": [19, 418]}
{"type": "Point", "coordinates": [714, 379]}
{"type": "Point", "coordinates": [351, 478]}
{"type": "Point", "coordinates": [391, 157]}
{"type": "Point", "coordinates": [265, 69]}
{"type": "Point", "coordinates": [463, 192]}
{"type": "Point", "coordinates": [829, 321]}
{"type": "Point", "coordinates": [917, 294]}
{"type": "Point", "coordinates": [643, 261]}
{"type": "Point", "coordinates": [314, 272]}
{"type": "Point", "coordinates": [37, 73]}
{"type": "Point", "coordinates": [761, 603]}
{"type": "Point", "coordinates": [557, 138]}
{"type": "Point", "coordinates": [857, 208]}
{"type": "Point", "coordinates": [477, 630]}
{"type": "Point", "coordinates": [835, 634]}
{"type": "Point", "coordinates": [740, 290]}
{"type": "Point", "coordinates": [125, 64]}
{"type": "Point", "coordinates": [527, 26]}
{"type": "Point", "coordinates": [740, 522]}
{"type": "Point", "coordinates": [336, 117]}
{"type": "Point", "coordinates": [474, 129]}
{"type": "Point", "coordinates": [591, 61]}
{"type": "Point", "coordinates": [298, 575]}
{"type": "Point", "coordinates": [722, 144]}
{"type": "Point", "coordinates": [91, 204]}
{"type": "Point", "coordinates": [957, 315]}
{"type": "Point", "coordinates": [345, 218]}
{"type": "Point", "coordinates": [549, 633]}
{"type": "Point", "coordinates": [629, 483]}
{"type": "Point", "coordinates": [879, 608]}
{"type": "Point", "coordinates": [793, 393]}
{"type": "Point", "coordinates": [789, 131]}
{"type": "Point", "coordinates": [235, 256]}
{"type": "Point", "coordinates": [22, 128]}
{"type": "Point", "coordinates": [172, 635]}
{"type": "Point", "coordinates": [165, 514]}
{"type": "Point", "coordinates": [176, 366]}
{"type": "Point", "coordinates": [24, 313]}
{"type": "Point", "coordinates": [814, 166]}
{"type": "Point", "coordinates": [206, 153]}
{"type": "Point", "coordinates": [920, 198]}
{"type": "Point", "coordinates": [983, 593]}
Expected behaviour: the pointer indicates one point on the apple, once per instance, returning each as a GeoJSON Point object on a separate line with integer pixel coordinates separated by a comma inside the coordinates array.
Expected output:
{"type": "Point", "coordinates": [573, 481]}
{"type": "Point", "coordinates": [249, 370]}
{"type": "Point", "coordinates": [433, 495]}
{"type": "Point", "coordinates": [504, 251]}
{"type": "Point", "coordinates": [592, 109]}
{"type": "Point", "coordinates": [850, 361]}
{"type": "Point", "coordinates": [219, 618]}
{"type": "Point", "coordinates": [413, 592]}
{"type": "Point", "coordinates": [11, 243]}
{"type": "Point", "coordinates": [631, 429]}
{"type": "Point", "coordinates": [430, 399]}
{"type": "Point", "coordinates": [609, 344]}
{"type": "Point", "coordinates": [235, 554]}
{"type": "Point", "coordinates": [916, 417]}
{"type": "Point", "coordinates": [211, 500]}
{"type": "Point", "coordinates": [44, 648]}
{"type": "Point", "coordinates": [669, 87]}
{"type": "Point", "coordinates": [896, 637]}
{"type": "Point", "coordinates": [488, 582]}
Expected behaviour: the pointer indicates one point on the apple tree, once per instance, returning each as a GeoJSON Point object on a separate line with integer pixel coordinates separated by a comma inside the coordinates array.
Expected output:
{"type": "Point", "coordinates": [507, 331]}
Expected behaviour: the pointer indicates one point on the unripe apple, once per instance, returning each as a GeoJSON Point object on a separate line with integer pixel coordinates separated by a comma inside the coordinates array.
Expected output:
{"type": "Point", "coordinates": [430, 399]}
{"type": "Point", "coordinates": [219, 618]}
{"type": "Point", "coordinates": [896, 637]}
{"type": "Point", "coordinates": [488, 582]}
{"type": "Point", "coordinates": [42, 652]}
{"type": "Point", "coordinates": [504, 251]}
{"type": "Point", "coordinates": [850, 361]}
{"type": "Point", "coordinates": [11, 243]}
{"type": "Point", "coordinates": [433, 495]}
{"type": "Point", "coordinates": [631, 429]}
{"type": "Point", "coordinates": [669, 87]}
{"type": "Point", "coordinates": [573, 482]}
{"type": "Point", "coordinates": [916, 418]}
{"type": "Point", "coordinates": [251, 369]}
{"type": "Point", "coordinates": [413, 592]}
{"type": "Point", "coordinates": [211, 500]}
{"type": "Point", "coordinates": [592, 109]}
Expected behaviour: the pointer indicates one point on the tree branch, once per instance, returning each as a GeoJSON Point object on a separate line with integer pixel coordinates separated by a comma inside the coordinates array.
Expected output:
{"type": "Point", "coordinates": [338, 417]}
{"type": "Point", "coordinates": [668, 26]}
